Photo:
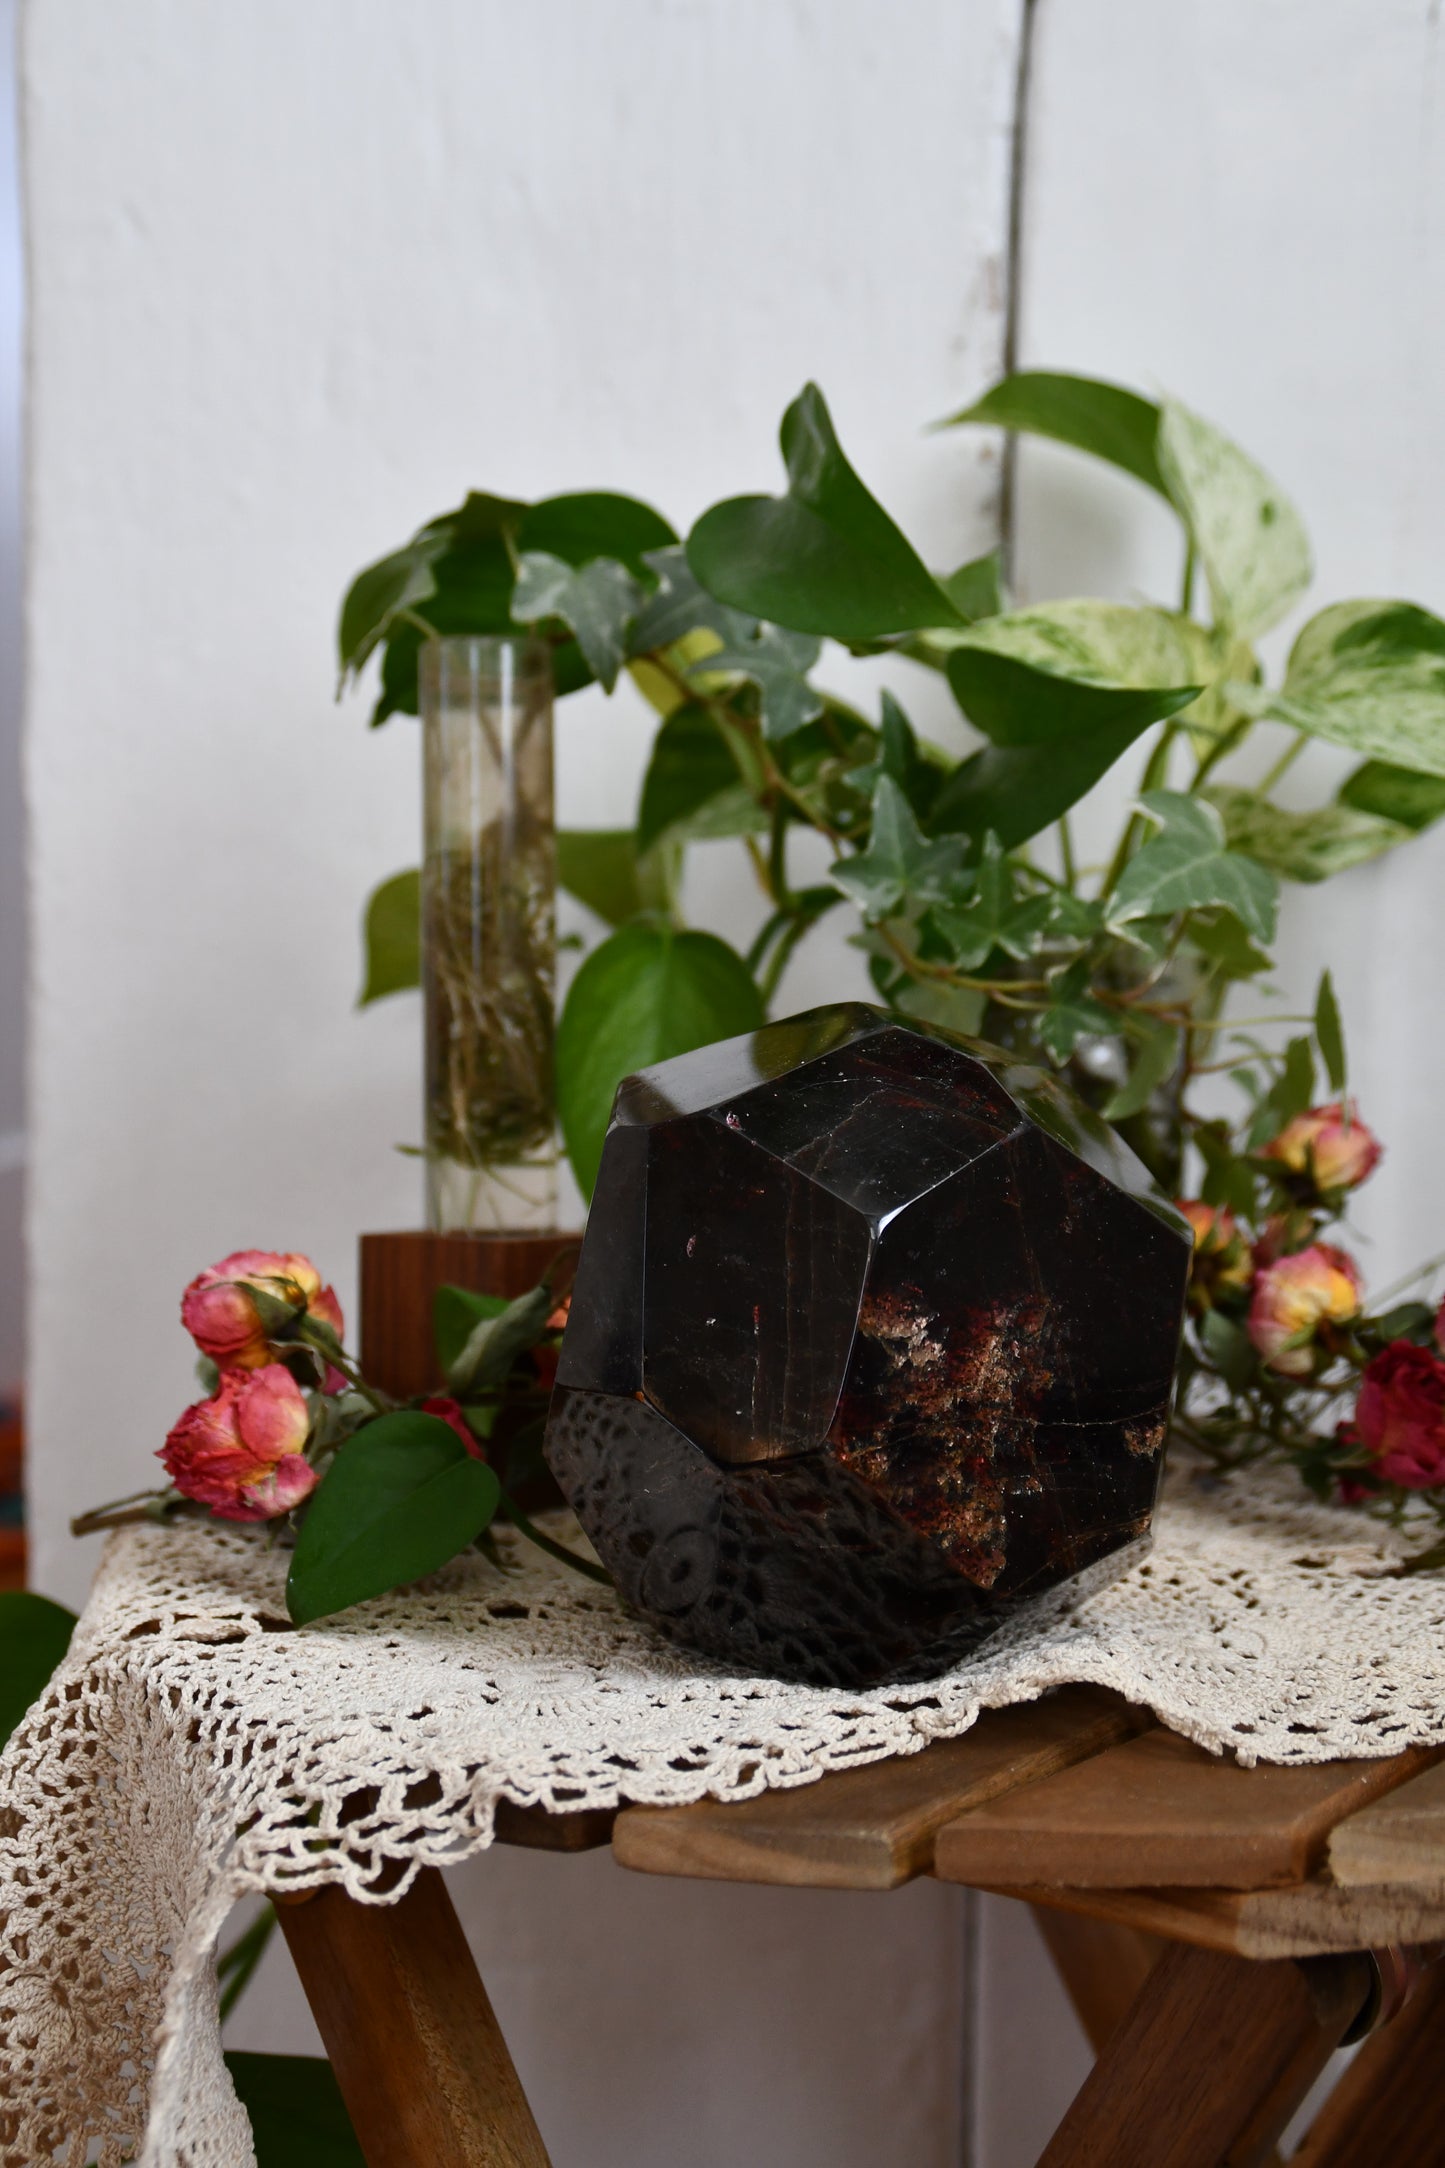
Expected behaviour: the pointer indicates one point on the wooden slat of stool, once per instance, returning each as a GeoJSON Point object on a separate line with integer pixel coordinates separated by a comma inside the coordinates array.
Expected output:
{"type": "Point", "coordinates": [1314, 1918]}
{"type": "Point", "coordinates": [1401, 1839]}
{"type": "Point", "coordinates": [1389, 2106]}
{"type": "Point", "coordinates": [1158, 1810]}
{"type": "Point", "coordinates": [873, 1827]}
{"type": "Point", "coordinates": [1210, 2063]}
{"type": "Point", "coordinates": [537, 1829]}
{"type": "Point", "coordinates": [412, 2037]}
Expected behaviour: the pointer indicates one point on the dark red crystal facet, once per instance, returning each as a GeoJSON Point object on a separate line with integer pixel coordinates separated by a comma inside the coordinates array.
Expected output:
{"type": "Point", "coordinates": [870, 1349]}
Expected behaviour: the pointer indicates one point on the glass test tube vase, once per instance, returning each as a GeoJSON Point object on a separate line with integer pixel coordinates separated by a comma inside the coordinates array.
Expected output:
{"type": "Point", "coordinates": [488, 937]}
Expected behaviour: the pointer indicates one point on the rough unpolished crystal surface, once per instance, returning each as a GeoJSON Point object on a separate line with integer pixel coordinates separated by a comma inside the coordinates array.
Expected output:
{"type": "Point", "coordinates": [870, 1348]}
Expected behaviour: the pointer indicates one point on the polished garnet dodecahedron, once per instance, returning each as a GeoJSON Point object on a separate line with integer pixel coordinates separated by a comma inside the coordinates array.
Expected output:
{"type": "Point", "coordinates": [870, 1348]}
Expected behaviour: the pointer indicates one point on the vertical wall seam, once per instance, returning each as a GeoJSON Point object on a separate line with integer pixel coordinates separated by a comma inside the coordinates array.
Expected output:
{"type": "Point", "coordinates": [1014, 270]}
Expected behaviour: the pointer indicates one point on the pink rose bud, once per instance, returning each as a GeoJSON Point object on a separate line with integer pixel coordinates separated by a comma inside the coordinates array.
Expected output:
{"type": "Point", "coordinates": [220, 1315]}
{"type": "Point", "coordinates": [241, 1451]}
{"type": "Point", "coordinates": [449, 1411]}
{"type": "Point", "coordinates": [1329, 1146]}
{"type": "Point", "coordinates": [1222, 1265]}
{"type": "Point", "coordinates": [1400, 1415]}
{"type": "Point", "coordinates": [1295, 1303]}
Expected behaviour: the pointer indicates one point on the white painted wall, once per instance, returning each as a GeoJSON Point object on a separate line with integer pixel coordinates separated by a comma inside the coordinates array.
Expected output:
{"type": "Point", "coordinates": [300, 275]}
{"type": "Point", "coordinates": [12, 825]}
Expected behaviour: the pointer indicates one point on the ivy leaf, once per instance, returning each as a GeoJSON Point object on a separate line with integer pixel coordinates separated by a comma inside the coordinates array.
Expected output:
{"type": "Point", "coordinates": [401, 1497]}
{"type": "Point", "coordinates": [1329, 1033]}
{"type": "Point", "coordinates": [1369, 675]}
{"type": "Point", "coordinates": [826, 558]}
{"type": "Point", "coordinates": [460, 559]}
{"type": "Point", "coordinates": [456, 1312]}
{"type": "Point", "coordinates": [643, 995]}
{"type": "Point", "coordinates": [1254, 550]}
{"type": "Point", "coordinates": [899, 757]}
{"type": "Point", "coordinates": [391, 937]}
{"type": "Point", "coordinates": [1019, 790]}
{"type": "Point", "coordinates": [1394, 794]}
{"type": "Point", "coordinates": [681, 605]}
{"type": "Point", "coordinates": [1073, 1013]}
{"type": "Point", "coordinates": [1219, 936]}
{"type": "Point", "coordinates": [995, 918]}
{"type": "Point", "coordinates": [600, 603]}
{"type": "Point", "coordinates": [1092, 416]}
{"type": "Point", "coordinates": [1186, 867]}
{"type": "Point", "coordinates": [777, 663]}
{"type": "Point", "coordinates": [494, 1343]}
{"type": "Point", "coordinates": [692, 788]}
{"type": "Point", "coordinates": [34, 1636]}
{"type": "Point", "coordinates": [1312, 846]}
{"type": "Point", "coordinates": [1156, 1058]}
{"type": "Point", "coordinates": [901, 865]}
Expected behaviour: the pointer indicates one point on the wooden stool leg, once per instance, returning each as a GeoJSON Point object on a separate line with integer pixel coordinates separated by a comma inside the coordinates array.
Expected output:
{"type": "Point", "coordinates": [1211, 2062]}
{"type": "Point", "coordinates": [1102, 1964]}
{"type": "Point", "coordinates": [1390, 2104]}
{"type": "Point", "coordinates": [417, 2052]}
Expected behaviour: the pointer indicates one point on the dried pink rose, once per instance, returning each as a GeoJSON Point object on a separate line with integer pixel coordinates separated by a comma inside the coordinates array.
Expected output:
{"type": "Point", "coordinates": [240, 1452]}
{"type": "Point", "coordinates": [219, 1312]}
{"type": "Point", "coordinates": [1297, 1300]}
{"type": "Point", "coordinates": [1329, 1145]}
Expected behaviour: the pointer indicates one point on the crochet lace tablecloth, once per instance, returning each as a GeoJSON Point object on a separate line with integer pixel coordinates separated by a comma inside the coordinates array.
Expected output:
{"type": "Point", "coordinates": [195, 1747]}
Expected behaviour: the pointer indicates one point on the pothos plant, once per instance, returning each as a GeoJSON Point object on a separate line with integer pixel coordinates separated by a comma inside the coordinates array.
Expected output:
{"type": "Point", "coordinates": [961, 876]}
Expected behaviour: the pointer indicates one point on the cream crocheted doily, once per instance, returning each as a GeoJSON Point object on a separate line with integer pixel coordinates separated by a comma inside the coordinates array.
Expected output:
{"type": "Point", "coordinates": [195, 1747]}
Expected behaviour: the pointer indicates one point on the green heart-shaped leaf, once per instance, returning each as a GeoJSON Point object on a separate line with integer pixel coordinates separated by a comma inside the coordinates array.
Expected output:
{"type": "Point", "coordinates": [401, 1497]}
{"type": "Point", "coordinates": [645, 994]}
{"type": "Point", "coordinates": [826, 558]}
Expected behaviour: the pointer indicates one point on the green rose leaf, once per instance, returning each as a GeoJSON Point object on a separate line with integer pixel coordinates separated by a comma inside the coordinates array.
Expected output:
{"type": "Point", "coordinates": [34, 1636]}
{"type": "Point", "coordinates": [1310, 846]}
{"type": "Point", "coordinates": [777, 663]}
{"type": "Point", "coordinates": [1289, 1095]}
{"type": "Point", "coordinates": [1394, 794]}
{"type": "Point", "coordinates": [401, 1497]}
{"type": "Point", "coordinates": [1329, 1032]}
{"type": "Point", "coordinates": [643, 995]}
{"type": "Point", "coordinates": [1369, 675]}
{"type": "Point", "coordinates": [298, 2117]}
{"type": "Point", "coordinates": [995, 918]}
{"type": "Point", "coordinates": [901, 865]}
{"type": "Point", "coordinates": [1105, 419]}
{"type": "Point", "coordinates": [600, 603]}
{"type": "Point", "coordinates": [1018, 791]}
{"type": "Point", "coordinates": [1255, 552]}
{"type": "Point", "coordinates": [494, 1343]}
{"type": "Point", "coordinates": [391, 937]}
{"type": "Point", "coordinates": [692, 788]}
{"type": "Point", "coordinates": [1186, 867]}
{"type": "Point", "coordinates": [1229, 1348]}
{"type": "Point", "coordinates": [826, 558]}
{"type": "Point", "coordinates": [456, 1312]}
